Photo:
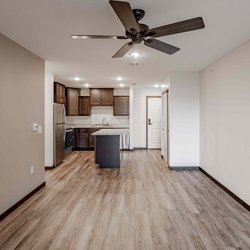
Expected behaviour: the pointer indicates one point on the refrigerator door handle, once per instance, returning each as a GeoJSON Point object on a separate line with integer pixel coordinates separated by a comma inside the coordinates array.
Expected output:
{"type": "Point", "coordinates": [64, 128]}
{"type": "Point", "coordinates": [63, 115]}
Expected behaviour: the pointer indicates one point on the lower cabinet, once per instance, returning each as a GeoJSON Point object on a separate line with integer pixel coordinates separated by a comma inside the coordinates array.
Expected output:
{"type": "Point", "coordinates": [91, 137]}
{"type": "Point", "coordinates": [82, 138]}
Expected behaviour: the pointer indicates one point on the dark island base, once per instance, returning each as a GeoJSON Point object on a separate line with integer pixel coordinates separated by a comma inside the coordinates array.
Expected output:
{"type": "Point", "coordinates": [107, 151]}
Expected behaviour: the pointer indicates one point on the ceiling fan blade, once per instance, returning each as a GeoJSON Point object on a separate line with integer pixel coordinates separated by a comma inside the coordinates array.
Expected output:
{"type": "Point", "coordinates": [123, 50]}
{"type": "Point", "coordinates": [124, 12]}
{"type": "Point", "coordinates": [97, 37]}
{"type": "Point", "coordinates": [174, 28]}
{"type": "Point", "coordinates": [161, 46]}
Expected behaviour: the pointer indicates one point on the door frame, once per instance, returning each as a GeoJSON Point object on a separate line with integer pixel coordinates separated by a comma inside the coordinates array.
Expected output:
{"type": "Point", "coordinates": [147, 98]}
{"type": "Point", "coordinates": [167, 91]}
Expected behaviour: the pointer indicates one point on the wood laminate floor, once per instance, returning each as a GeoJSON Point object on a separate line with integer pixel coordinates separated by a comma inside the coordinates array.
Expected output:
{"type": "Point", "coordinates": [141, 206]}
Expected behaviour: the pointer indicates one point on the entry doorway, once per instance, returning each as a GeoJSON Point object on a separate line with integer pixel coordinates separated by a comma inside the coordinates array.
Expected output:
{"type": "Point", "coordinates": [154, 120]}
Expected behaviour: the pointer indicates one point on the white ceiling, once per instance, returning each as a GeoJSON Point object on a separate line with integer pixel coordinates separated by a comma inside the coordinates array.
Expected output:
{"type": "Point", "coordinates": [44, 27]}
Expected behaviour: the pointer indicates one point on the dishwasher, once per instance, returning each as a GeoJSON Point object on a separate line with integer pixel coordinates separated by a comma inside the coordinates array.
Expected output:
{"type": "Point", "coordinates": [124, 142]}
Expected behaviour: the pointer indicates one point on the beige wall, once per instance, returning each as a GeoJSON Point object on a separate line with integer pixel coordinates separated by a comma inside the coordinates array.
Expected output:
{"type": "Point", "coordinates": [225, 121]}
{"type": "Point", "coordinates": [21, 104]}
{"type": "Point", "coordinates": [184, 120]}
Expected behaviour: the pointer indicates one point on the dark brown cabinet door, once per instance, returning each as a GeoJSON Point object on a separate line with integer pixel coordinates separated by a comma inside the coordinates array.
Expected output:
{"type": "Point", "coordinates": [82, 138]}
{"type": "Point", "coordinates": [121, 105]}
{"type": "Point", "coordinates": [74, 140]}
{"type": "Point", "coordinates": [95, 97]}
{"type": "Point", "coordinates": [91, 137]}
{"type": "Point", "coordinates": [59, 93]}
{"type": "Point", "coordinates": [72, 95]}
{"type": "Point", "coordinates": [84, 105]}
{"type": "Point", "coordinates": [107, 97]}
{"type": "Point", "coordinates": [101, 97]}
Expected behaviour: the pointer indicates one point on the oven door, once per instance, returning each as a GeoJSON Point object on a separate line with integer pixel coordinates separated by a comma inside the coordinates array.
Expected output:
{"type": "Point", "coordinates": [69, 141]}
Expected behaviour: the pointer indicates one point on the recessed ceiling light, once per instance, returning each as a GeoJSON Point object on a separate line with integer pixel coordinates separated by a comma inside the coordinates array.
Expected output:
{"type": "Point", "coordinates": [86, 85]}
{"type": "Point", "coordinates": [156, 85]}
{"type": "Point", "coordinates": [118, 78]}
{"type": "Point", "coordinates": [74, 37]}
{"type": "Point", "coordinates": [135, 54]}
{"type": "Point", "coordinates": [76, 78]}
{"type": "Point", "coordinates": [163, 86]}
{"type": "Point", "coordinates": [121, 85]}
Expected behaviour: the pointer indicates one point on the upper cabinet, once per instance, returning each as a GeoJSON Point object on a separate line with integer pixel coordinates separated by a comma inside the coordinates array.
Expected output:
{"type": "Point", "coordinates": [84, 105]}
{"type": "Point", "coordinates": [81, 105]}
{"type": "Point", "coordinates": [107, 97]}
{"type": "Point", "coordinates": [101, 97]}
{"type": "Point", "coordinates": [59, 93]}
{"type": "Point", "coordinates": [72, 96]}
{"type": "Point", "coordinates": [121, 105]}
{"type": "Point", "coordinates": [95, 97]}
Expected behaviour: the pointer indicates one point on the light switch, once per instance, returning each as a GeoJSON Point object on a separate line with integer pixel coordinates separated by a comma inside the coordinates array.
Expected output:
{"type": "Point", "coordinates": [35, 127]}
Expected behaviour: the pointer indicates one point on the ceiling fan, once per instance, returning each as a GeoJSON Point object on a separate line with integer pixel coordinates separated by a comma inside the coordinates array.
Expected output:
{"type": "Point", "coordinates": [139, 32]}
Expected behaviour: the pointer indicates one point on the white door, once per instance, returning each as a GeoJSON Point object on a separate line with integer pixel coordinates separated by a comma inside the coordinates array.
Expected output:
{"type": "Point", "coordinates": [164, 132]}
{"type": "Point", "coordinates": [154, 122]}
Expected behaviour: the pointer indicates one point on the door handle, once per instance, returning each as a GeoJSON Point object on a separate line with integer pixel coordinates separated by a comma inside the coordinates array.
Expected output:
{"type": "Point", "coordinates": [149, 121]}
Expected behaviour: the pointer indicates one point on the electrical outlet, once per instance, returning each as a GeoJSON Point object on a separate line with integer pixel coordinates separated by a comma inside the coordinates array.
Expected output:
{"type": "Point", "coordinates": [40, 130]}
{"type": "Point", "coordinates": [32, 170]}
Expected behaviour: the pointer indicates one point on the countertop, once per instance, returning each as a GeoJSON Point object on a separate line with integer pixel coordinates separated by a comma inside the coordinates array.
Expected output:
{"type": "Point", "coordinates": [95, 126]}
{"type": "Point", "coordinates": [112, 132]}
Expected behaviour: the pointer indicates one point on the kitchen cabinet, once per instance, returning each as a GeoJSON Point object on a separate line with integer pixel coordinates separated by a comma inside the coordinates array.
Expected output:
{"type": "Point", "coordinates": [59, 93]}
{"type": "Point", "coordinates": [107, 97]}
{"type": "Point", "coordinates": [95, 97]}
{"type": "Point", "coordinates": [101, 97]}
{"type": "Point", "coordinates": [121, 105]}
{"type": "Point", "coordinates": [84, 106]}
{"type": "Point", "coordinates": [72, 101]}
{"type": "Point", "coordinates": [82, 138]}
{"type": "Point", "coordinates": [74, 139]}
{"type": "Point", "coordinates": [91, 137]}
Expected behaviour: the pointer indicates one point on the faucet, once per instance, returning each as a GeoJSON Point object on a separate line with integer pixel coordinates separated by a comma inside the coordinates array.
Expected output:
{"type": "Point", "coordinates": [104, 122]}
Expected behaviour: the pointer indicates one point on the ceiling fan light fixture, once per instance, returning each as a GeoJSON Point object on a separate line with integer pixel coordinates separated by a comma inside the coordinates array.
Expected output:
{"type": "Point", "coordinates": [134, 63]}
{"type": "Point", "coordinates": [135, 54]}
{"type": "Point", "coordinates": [141, 33]}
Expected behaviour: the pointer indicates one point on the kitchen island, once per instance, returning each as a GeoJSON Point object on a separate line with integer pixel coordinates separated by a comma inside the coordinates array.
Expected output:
{"type": "Point", "coordinates": [82, 138]}
{"type": "Point", "coordinates": [107, 147]}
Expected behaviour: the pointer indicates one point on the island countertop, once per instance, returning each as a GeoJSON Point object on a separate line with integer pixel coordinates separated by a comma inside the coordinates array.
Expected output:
{"type": "Point", "coordinates": [115, 126]}
{"type": "Point", "coordinates": [111, 132]}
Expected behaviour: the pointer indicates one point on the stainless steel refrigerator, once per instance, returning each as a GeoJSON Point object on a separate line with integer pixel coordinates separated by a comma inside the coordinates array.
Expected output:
{"type": "Point", "coordinates": [59, 133]}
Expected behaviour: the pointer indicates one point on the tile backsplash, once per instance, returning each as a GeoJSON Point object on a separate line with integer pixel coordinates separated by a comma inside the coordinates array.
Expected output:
{"type": "Point", "coordinates": [98, 113]}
